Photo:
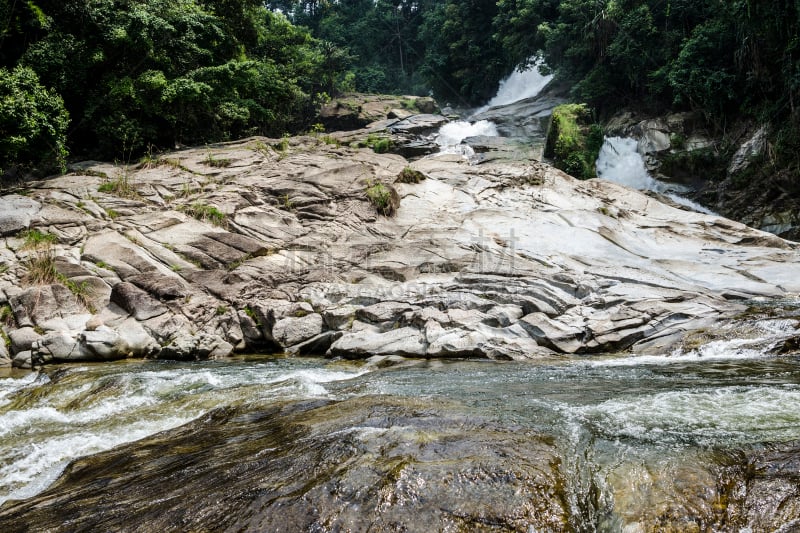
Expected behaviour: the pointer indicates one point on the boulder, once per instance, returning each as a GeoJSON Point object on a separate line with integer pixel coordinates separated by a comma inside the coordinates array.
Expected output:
{"type": "Point", "coordinates": [136, 301]}
{"type": "Point", "coordinates": [23, 360]}
{"type": "Point", "coordinates": [407, 342]}
{"type": "Point", "coordinates": [37, 305]}
{"type": "Point", "coordinates": [16, 213]}
{"type": "Point", "coordinates": [295, 330]}
{"type": "Point", "coordinates": [22, 339]}
{"type": "Point", "coordinates": [57, 346]}
{"type": "Point", "coordinates": [188, 347]}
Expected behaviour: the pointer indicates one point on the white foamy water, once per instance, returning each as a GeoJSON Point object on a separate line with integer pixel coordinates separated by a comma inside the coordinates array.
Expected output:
{"type": "Point", "coordinates": [518, 86]}
{"type": "Point", "coordinates": [82, 413]}
{"type": "Point", "coordinates": [741, 414]}
{"type": "Point", "coordinates": [452, 134]}
{"type": "Point", "coordinates": [766, 335]}
{"type": "Point", "coordinates": [620, 162]}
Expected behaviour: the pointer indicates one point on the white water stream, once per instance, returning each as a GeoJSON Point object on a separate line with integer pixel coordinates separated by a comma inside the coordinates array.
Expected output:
{"type": "Point", "coordinates": [519, 85]}
{"type": "Point", "coordinates": [620, 162]}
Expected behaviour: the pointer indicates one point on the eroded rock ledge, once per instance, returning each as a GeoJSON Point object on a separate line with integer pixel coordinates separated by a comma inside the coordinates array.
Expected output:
{"type": "Point", "coordinates": [274, 245]}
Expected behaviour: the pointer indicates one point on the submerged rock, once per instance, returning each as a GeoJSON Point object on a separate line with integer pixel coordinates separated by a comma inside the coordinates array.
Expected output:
{"type": "Point", "coordinates": [364, 464]}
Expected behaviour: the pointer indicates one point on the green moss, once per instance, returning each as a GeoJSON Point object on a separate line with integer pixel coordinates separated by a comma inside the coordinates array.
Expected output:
{"type": "Point", "coordinates": [6, 315]}
{"type": "Point", "coordinates": [574, 140]}
{"type": "Point", "coordinates": [409, 175]}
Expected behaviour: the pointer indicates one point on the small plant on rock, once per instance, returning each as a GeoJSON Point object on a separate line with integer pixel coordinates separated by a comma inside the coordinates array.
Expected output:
{"type": "Point", "coordinates": [381, 197]}
{"type": "Point", "coordinates": [409, 175]}
{"type": "Point", "coordinates": [206, 213]}
{"type": "Point", "coordinates": [216, 162]}
{"type": "Point", "coordinates": [120, 186]}
{"type": "Point", "coordinates": [35, 239]}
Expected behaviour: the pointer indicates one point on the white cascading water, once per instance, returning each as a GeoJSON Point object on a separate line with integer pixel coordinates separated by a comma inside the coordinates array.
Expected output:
{"type": "Point", "coordinates": [620, 162]}
{"type": "Point", "coordinates": [517, 86]}
{"type": "Point", "coordinates": [453, 133]}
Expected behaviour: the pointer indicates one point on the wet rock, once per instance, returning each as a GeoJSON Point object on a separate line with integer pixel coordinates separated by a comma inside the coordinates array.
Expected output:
{"type": "Point", "coordinates": [528, 118]}
{"type": "Point", "coordinates": [364, 464]}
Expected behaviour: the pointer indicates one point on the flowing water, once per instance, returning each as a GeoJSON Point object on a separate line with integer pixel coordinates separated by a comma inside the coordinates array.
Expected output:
{"type": "Point", "coordinates": [619, 161]}
{"type": "Point", "coordinates": [633, 435]}
{"type": "Point", "coordinates": [519, 85]}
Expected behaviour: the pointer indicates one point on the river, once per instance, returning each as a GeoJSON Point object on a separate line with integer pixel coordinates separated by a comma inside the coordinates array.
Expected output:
{"type": "Point", "coordinates": [631, 441]}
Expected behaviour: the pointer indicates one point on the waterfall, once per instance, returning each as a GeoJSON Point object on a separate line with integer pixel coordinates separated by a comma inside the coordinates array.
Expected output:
{"type": "Point", "coordinates": [519, 85]}
{"type": "Point", "coordinates": [620, 162]}
{"type": "Point", "coordinates": [452, 134]}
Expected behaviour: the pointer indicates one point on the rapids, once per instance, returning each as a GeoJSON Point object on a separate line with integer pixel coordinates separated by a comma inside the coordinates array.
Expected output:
{"type": "Point", "coordinates": [632, 439]}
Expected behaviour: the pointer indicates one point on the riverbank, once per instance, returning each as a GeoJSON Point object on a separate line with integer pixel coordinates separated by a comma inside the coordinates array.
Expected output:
{"type": "Point", "coordinates": [309, 246]}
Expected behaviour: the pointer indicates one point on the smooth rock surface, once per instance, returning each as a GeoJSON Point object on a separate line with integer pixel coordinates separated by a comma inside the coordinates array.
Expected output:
{"type": "Point", "coordinates": [505, 259]}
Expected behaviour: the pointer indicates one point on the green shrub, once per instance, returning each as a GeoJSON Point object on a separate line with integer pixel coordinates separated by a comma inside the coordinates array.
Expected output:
{"type": "Point", "coordinates": [381, 146]}
{"type": "Point", "coordinates": [574, 140]}
{"type": "Point", "coordinates": [381, 197]}
{"type": "Point", "coordinates": [33, 124]}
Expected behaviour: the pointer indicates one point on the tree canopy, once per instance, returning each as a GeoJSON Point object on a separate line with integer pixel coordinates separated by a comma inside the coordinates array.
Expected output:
{"type": "Point", "coordinates": [139, 73]}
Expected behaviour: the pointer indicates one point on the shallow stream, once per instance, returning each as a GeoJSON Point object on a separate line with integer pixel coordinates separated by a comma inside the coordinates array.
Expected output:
{"type": "Point", "coordinates": [632, 441]}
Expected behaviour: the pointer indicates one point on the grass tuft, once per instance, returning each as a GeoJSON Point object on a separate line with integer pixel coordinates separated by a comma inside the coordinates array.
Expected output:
{"type": "Point", "coordinates": [206, 213]}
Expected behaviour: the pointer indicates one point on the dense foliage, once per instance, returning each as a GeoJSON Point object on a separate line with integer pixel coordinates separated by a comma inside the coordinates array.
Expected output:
{"type": "Point", "coordinates": [33, 124]}
{"type": "Point", "coordinates": [732, 61]}
{"type": "Point", "coordinates": [139, 73]}
{"type": "Point", "coordinates": [410, 46]}
{"type": "Point", "coordinates": [136, 74]}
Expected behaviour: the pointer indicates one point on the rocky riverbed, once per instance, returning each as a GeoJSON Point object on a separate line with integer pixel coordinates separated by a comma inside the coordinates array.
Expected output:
{"type": "Point", "coordinates": [275, 245]}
